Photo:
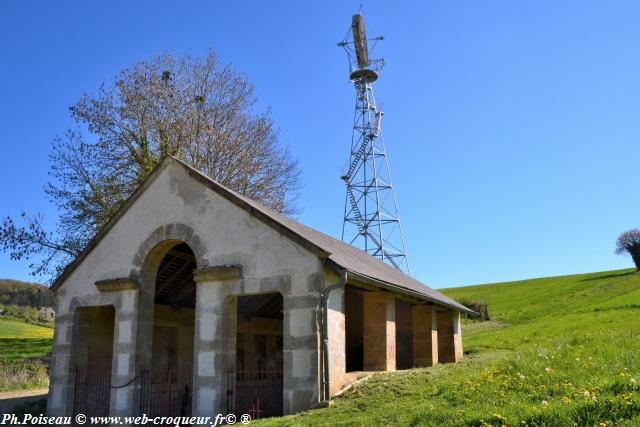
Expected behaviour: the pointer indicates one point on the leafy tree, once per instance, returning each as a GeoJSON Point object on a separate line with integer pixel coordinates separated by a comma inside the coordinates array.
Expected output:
{"type": "Point", "coordinates": [193, 108]}
{"type": "Point", "coordinates": [26, 294]}
{"type": "Point", "coordinates": [629, 242]}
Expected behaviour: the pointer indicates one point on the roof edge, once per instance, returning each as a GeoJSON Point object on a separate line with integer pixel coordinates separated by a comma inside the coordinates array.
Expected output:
{"type": "Point", "coordinates": [109, 225]}
{"type": "Point", "coordinates": [210, 184]}
{"type": "Point", "coordinates": [399, 289]}
{"type": "Point", "coordinates": [237, 199]}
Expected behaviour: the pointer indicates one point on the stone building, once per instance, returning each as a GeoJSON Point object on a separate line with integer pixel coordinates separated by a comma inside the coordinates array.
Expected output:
{"type": "Point", "coordinates": [194, 300]}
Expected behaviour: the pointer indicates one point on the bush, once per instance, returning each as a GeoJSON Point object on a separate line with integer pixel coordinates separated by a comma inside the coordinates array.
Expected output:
{"type": "Point", "coordinates": [481, 309]}
{"type": "Point", "coordinates": [23, 375]}
{"type": "Point", "coordinates": [629, 242]}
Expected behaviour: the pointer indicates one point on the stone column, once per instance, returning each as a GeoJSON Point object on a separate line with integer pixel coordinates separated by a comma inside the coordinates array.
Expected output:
{"type": "Point", "coordinates": [215, 337]}
{"type": "Point", "coordinates": [125, 390]}
{"type": "Point", "coordinates": [300, 353]}
{"type": "Point", "coordinates": [379, 331]}
{"type": "Point", "coordinates": [60, 400]}
{"type": "Point", "coordinates": [337, 350]}
{"type": "Point", "coordinates": [425, 335]}
{"type": "Point", "coordinates": [449, 337]}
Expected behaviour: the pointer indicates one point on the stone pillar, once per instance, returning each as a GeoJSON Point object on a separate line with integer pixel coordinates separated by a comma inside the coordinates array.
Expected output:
{"type": "Point", "coordinates": [379, 334]}
{"type": "Point", "coordinates": [449, 337]}
{"type": "Point", "coordinates": [124, 400]}
{"type": "Point", "coordinates": [425, 335]}
{"type": "Point", "coordinates": [337, 350]}
{"type": "Point", "coordinates": [60, 400]}
{"type": "Point", "coordinates": [300, 381]}
{"type": "Point", "coordinates": [214, 337]}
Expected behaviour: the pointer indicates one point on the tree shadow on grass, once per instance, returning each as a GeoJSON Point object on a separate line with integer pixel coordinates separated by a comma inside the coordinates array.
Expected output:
{"type": "Point", "coordinates": [609, 276]}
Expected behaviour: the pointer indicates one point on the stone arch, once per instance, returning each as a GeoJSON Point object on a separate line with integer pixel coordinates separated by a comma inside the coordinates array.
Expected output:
{"type": "Point", "coordinates": [145, 267]}
{"type": "Point", "coordinates": [161, 239]}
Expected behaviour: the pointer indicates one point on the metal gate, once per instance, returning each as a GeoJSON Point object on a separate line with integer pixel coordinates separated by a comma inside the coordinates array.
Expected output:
{"type": "Point", "coordinates": [92, 390]}
{"type": "Point", "coordinates": [257, 393]}
{"type": "Point", "coordinates": [167, 393]}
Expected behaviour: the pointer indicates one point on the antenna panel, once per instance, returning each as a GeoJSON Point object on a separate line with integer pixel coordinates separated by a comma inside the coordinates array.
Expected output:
{"type": "Point", "coordinates": [360, 41]}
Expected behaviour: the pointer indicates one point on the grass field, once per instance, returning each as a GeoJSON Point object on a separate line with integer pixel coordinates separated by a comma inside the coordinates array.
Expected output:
{"type": "Point", "coordinates": [22, 330]}
{"type": "Point", "coordinates": [559, 351]}
{"type": "Point", "coordinates": [22, 349]}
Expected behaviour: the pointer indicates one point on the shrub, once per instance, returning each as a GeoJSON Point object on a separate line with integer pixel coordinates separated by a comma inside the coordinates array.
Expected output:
{"type": "Point", "coordinates": [629, 242]}
{"type": "Point", "coordinates": [481, 308]}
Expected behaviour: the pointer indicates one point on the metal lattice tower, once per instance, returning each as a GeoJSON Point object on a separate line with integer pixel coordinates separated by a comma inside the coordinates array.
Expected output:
{"type": "Point", "coordinates": [371, 220]}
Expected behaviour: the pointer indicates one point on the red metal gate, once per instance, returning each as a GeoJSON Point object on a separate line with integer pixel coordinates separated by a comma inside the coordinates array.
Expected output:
{"type": "Point", "coordinates": [257, 393]}
{"type": "Point", "coordinates": [92, 389]}
{"type": "Point", "coordinates": [166, 393]}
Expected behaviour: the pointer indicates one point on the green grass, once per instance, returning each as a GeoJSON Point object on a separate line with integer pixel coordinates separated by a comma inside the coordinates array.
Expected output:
{"type": "Point", "coordinates": [559, 351]}
{"type": "Point", "coordinates": [22, 330]}
{"type": "Point", "coordinates": [22, 349]}
{"type": "Point", "coordinates": [21, 341]}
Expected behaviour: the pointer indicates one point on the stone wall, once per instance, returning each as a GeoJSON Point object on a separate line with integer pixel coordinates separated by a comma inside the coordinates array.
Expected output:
{"type": "Point", "coordinates": [176, 208]}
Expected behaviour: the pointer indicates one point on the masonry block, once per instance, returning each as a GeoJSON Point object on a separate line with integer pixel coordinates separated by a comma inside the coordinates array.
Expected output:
{"type": "Point", "coordinates": [425, 335]}
{"type": "Point", "coordinates": [449, 337]}
{"type": "Point", "coordinates": [379, 332]}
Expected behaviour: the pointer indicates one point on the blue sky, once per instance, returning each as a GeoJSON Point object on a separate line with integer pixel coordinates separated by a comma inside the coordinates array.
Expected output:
{"type": "Point", "coordinates": [512, 128]}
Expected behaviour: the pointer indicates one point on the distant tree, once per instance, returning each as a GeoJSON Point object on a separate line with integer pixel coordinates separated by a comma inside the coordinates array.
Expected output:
{"type": "Point", "coordinates": [13, 292]}
{"type": "Point", "coordinates": [481, 309]}
{"type": "Point", "coordinates": [46, 315]}
{"type": "Point", "coordinates": [190, 107]}
{"type": "Point", "coordinates": [629, 242]}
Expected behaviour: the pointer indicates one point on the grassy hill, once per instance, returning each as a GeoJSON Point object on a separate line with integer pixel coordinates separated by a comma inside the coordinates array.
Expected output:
{"type": "Point", "coordinates": [10, 329]}
{"type": "Point", "coordinates": [23, 349]}
{"type": "Point", "coordinates": [559, 351]}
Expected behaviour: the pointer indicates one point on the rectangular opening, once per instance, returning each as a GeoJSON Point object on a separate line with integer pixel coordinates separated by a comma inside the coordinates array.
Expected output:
{"type": "Point", "coordinates": [93, 353]}
{"type": "Point", "coordinates": [353, 323]}
{"type": "Point", "coordinates": [256, 387]}
{"type": "Point", "coordinates": [404, 335]}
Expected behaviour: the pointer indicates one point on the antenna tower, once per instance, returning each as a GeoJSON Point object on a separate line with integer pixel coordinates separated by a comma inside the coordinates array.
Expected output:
{"type": "Point", "coordinates": [371, 220]}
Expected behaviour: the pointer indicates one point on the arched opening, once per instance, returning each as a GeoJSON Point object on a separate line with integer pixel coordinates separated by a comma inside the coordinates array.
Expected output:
{"type": "Point", "coordinates": [167, 382]}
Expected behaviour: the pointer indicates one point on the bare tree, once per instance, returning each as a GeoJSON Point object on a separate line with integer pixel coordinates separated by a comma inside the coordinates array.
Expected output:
{"type": "Point", "coordinates": [629, 242]}
{"type": "Point", "coordinates": [190, 107]}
